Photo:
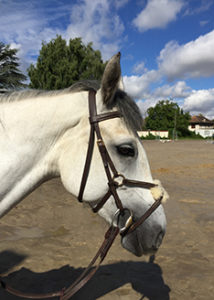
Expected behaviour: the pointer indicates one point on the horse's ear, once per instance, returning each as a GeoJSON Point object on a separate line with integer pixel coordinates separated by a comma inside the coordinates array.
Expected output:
{"type": "Point", "coordinates": [111, 79]}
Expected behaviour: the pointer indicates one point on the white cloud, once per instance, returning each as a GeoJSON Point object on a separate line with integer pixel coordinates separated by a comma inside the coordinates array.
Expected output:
{"type": "Point", "coordinates": [95, 21]}
{"type": "Point", "coordinates": [158, 14]}
{"type": "Point", "coordinates": [138, 86]}
{"type": "Point", "coordinates": [174, 92]}
{"type": "Point", "coordinates": [192, 60]}
{"type": "Point", "coordinates": [24, 27]}
{"type": "Point", "coordinates": [203, 23]}
{"type": "Point", "coordinates": [194, 101]}
{"type": "Point", "coordinates": [139, 68]}
{"type": "Point", "coordinates": [120, 3]}
{"type": "Point", "coordinates": [203, 6]}
{"type": "Point", "coordinates": [200, 101]}
{"type": "Point", "coordinates": [27, 24]}
{"type": "Point", "coordinates": [178, 90]}
{"type": "Point", "coordinates": [144, 105]}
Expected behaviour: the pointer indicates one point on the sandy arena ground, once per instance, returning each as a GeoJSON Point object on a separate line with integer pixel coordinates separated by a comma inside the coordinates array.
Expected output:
{"type": "Point", "coordinates": [49, 238]}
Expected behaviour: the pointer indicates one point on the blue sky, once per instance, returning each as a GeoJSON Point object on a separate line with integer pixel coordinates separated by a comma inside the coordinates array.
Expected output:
{"type": "Point", "coordinates": [167, 46]}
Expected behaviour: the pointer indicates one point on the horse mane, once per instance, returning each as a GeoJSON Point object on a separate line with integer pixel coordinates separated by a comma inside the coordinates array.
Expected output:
{"type": "Point", "coordinates": [122, 101]}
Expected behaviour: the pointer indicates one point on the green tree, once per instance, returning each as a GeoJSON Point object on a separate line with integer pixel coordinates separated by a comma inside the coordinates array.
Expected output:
{"type": "Point", "coordinates": [10, 76]}
{"type": "Point", "coordinates": [167, 115]}
{"type": "Point", "coordinates": [60, 65]}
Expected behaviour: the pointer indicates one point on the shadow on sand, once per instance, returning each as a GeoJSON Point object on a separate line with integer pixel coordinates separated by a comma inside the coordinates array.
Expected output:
{"type": "Point", "coordinates": [145, 278]}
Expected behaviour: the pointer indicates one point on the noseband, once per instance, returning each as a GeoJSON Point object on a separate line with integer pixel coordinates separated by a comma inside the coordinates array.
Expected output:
{"type": "Point", "coordinates": [115, 179]}
{"type": "Point", "coordinates": [122, 215]}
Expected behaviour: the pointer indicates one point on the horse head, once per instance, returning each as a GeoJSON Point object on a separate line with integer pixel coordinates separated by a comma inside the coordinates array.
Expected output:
{"type": "Point", "coordinates": [128, 155]}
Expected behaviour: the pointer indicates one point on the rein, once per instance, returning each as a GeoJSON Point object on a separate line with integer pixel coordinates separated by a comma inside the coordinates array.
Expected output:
{"type": "Point", "coordinates": [122, 216]}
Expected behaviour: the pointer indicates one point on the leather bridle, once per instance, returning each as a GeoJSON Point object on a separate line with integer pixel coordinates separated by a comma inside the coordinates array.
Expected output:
{"type": "Point", "coordinates": [123, 221]}
{"type": "Point", "coordinates": [115, 179]}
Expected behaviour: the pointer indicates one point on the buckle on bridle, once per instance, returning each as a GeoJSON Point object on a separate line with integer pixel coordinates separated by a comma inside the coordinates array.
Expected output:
{"type": "Point", "coordinates": [121, 181]}
{"type": "Point", "coordinates": [123, 220]}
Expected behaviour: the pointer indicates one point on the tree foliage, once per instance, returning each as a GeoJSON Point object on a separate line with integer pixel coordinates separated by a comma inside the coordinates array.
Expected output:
{"type": "Point", "coordinates": [59, 65]}
{"type": "Point", "coordinates": [167, 115]}
{"type": "Point", "coordinates": [10, 76]}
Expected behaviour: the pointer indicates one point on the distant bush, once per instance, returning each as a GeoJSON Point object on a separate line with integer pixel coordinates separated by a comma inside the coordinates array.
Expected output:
{"type": "Point", "coordinates": [167, 115]}
{"type": "Point", "coordinates": [191, 135]}
{"type": "Point", "coordinates": [194, 136]}
{"type": "Point", "coordinates": [149, 137]}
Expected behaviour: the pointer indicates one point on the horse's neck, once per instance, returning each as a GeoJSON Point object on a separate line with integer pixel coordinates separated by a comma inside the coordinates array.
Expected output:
{"type": "Point", "coordinates": [29, 131]}
{"type": "Point", "coordinates": [38, 118]}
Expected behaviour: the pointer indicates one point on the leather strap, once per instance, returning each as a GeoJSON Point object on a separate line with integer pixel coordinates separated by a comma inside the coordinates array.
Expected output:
{"type": "Point", "coordinates": [18, 293]}
{"type": "Point", "coordinates": [143, 218]}
{"type": "Point", "coordinates": [110, 236]}
{"type": "Point", "coordinates": [136, 183]}
{"type": "Point", "coordinates": [86, 275]}
{"type": "Point", "coordinates": [94, 119]}
{"type": "Point", "coordinates": [87, 164]}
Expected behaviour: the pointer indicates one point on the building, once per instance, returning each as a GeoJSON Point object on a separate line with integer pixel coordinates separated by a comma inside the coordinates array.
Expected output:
{"type": "Point", "coordinates": [201, 125]}
{"type": "Point", "coordinates": [157, 133]}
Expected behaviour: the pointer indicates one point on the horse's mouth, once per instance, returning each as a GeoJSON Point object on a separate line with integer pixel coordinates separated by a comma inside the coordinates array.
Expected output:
{"type": "Point", "coordinates": [137, 245]}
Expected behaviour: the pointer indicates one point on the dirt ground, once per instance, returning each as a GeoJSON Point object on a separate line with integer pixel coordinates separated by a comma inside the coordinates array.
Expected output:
{"type": "Point", "coordinates": [49, 238]}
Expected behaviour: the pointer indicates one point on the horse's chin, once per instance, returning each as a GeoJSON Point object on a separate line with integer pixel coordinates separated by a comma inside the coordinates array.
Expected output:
{"type": "Point", "coordinates": [135, 245]}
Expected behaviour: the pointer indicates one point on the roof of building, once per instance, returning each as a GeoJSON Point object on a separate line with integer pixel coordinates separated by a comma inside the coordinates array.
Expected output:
{"type": "Point", "coordinates": [200, 120]}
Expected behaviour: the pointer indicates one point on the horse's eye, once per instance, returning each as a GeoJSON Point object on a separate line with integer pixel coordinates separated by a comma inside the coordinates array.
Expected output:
{"type": "Point", "coordinates": [126, 150]}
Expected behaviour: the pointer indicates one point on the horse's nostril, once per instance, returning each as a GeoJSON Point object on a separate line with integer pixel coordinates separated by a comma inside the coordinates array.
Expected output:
{"type": "Point", "coordinates": [159, 239]}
